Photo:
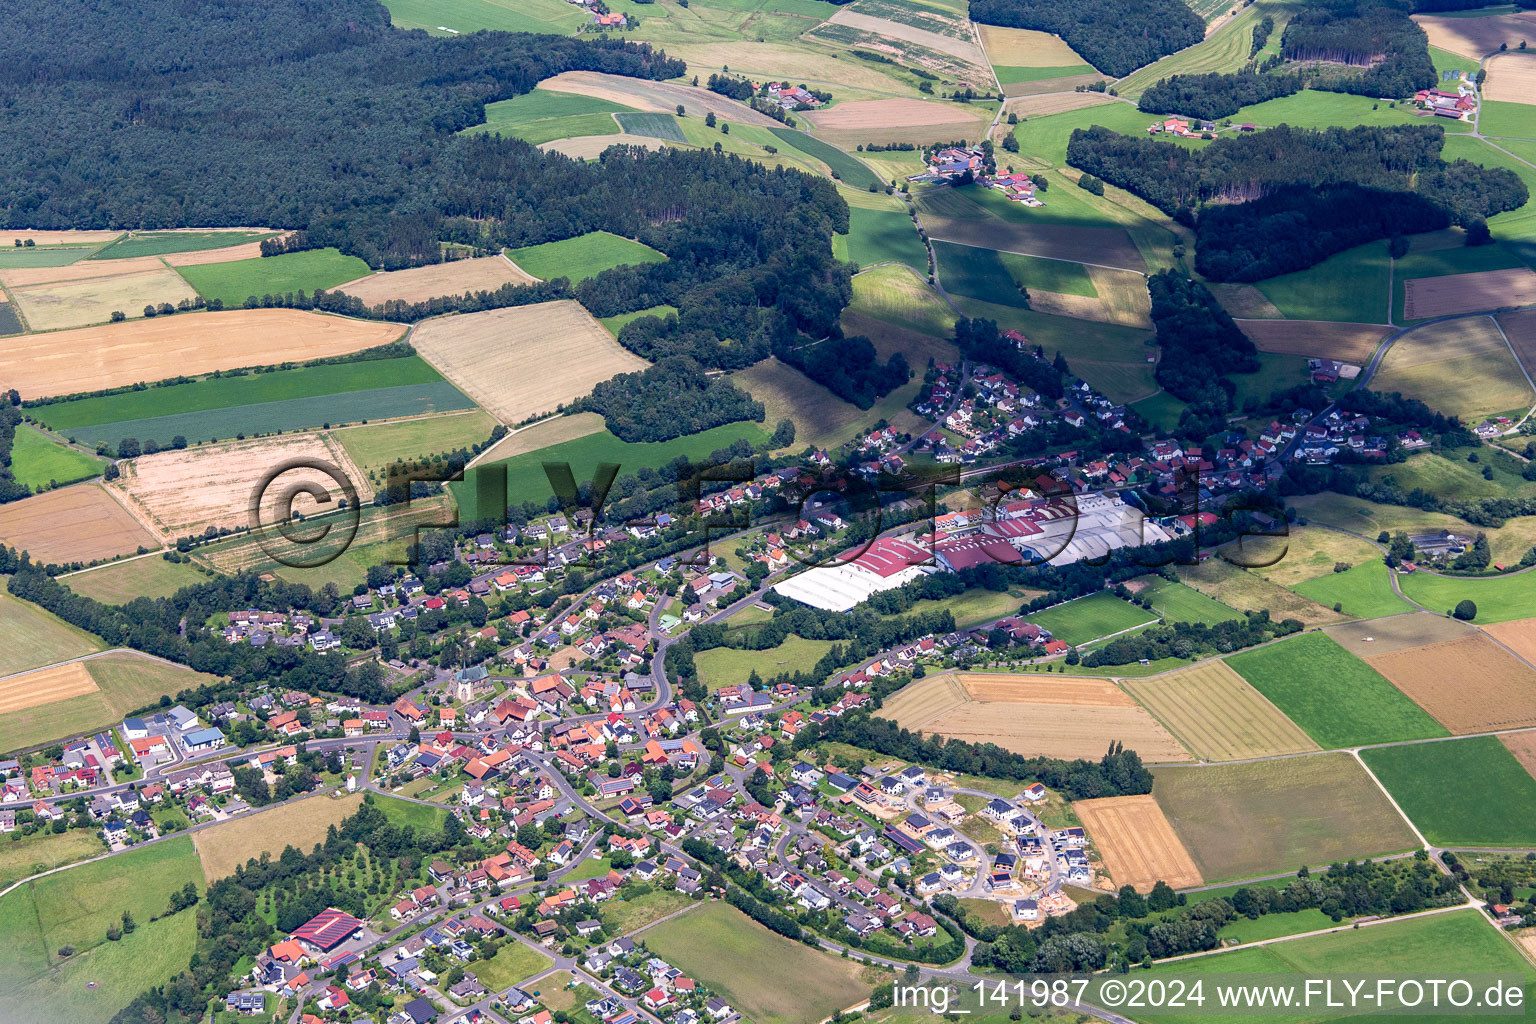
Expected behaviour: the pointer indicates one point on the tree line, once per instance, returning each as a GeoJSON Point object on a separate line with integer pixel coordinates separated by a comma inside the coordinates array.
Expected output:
{"type": "Point", "coordinates": [1377, 36]}
{"type": "Point", "coordinates": [1115, 36]}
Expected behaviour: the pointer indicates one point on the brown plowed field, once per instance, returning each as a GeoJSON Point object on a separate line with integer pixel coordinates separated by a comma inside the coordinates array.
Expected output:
{"type": "Point", "coordinates": [1518, 635]}
{"type": "Point", "coordinates": [113, 355]}
{"type": "Point", "coordinates": [1138, 846]}
{"type": "Point", "coordinates": [658, 97]}
{"type": "Point", "coordinates": [418, 284]}
{"type": "Point", "coordinates": [893, 113]}
{"type": "Point", "coordinates": [1468, 685]}
{"type": "Point", "coordinates": [1348, 343]}
{"type": "Point", "coordinates": [1520, 329]}
{"type": "Point", "coordinates": [1523, 746]}
{"type": "Point", "coordinates": [1478, 37]}
{"type": "Point", "coordinates": [45, 686]}
{"type": "Point", "coordinates": [1217, 714]}
{"type": "Point", "coordinates": [1398, 633]}
{"type": "Point", "coordinates": [79, 523]}
{"type": "Point", "coordinates": [1468, 293]}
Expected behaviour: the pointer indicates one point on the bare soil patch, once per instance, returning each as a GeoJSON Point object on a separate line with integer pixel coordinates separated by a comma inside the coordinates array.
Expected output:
{"type": "Point", "coordinates": [1469, 685]}
{"type": "Point", "coordinates": [188, 343]}
{"type": "Point", "coordinates": [1026, 48]}
{"type": "Point", "coordinates": [525, 360]}
{"type": "Point", "coordinates": [1468, 293]}
{"type": "Point", "coordinates": [1216, 713]}
{"type": "Point", "coordinates": [590, 147]}
{"type": "Point", "coordinates": [659, 97]}
{"type": "Point", "coordinates": [1518, 635]}
{"type": "Point", "coordinates": [187, 491]}
{"type": "Point", "coordinates": [1512, 76]}
{"type": "Point", "coordinates": [1053, 103]}
{"type": "Point", "coordinates": [1478, 37]}
{"type": "Point", "coordinates": [1138, 845]}
{"type": "Point", "coordinates": [892, 113]}
{"type": "Point", "coordinates": [1348, 343]}
{"type": "Point", "coordinates": [419, 284]}
{"type": "Point", "coordinates": [45, 686]}
{"type": "Point", "coordinates": [78, 523]}
{"type": "Point", "coordinates": [965, 49]}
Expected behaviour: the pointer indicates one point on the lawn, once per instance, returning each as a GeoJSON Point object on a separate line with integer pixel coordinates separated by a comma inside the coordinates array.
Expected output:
{"type": "Point", "coordinates": [1264, 817]}
{"type": "Point", "coordinates": [1339, 700]}
{"type": "Point", "coordinates": [377, 446]}
{"type": "Point", "coordinates": [1271, 926]}
{"type": "Point", "coordinates": [1498, 599]}
{"type": "Point", "coordinates": [724, 666]}
{"type": "Point", "coordinates": [589, 868]}
{"type": "Point", "coordinates": [121, 582]}
{"type": "Point", "coordinates": [525, 479]}
{"type": "Point", "coordinates": [417, 816]}
{"type": "Point", "coordinates": [232, 283]}
{"type": "Point", "coordinates": [1460, 792]}
{"type": "Point", "coordinates": [787, 983]}
{"type": "Point", "coordinates": [1350, 286]}
{"type": "Point", "coordinates": [582, 257]}
{"type": "Point", "coordinates": [40, 462]}
{"type": "Point", "coordinates": [451, 17]}
{"type": "Point", "coordinates": [975, 606]}
{"type": "Point", "coordinates": [1088, 618]}
{"type": "Point", "coordinates": [881, 236]}
{"type": "Point", "coordinates": [31, 637]}
{"type": "Point", "coordinates": [513, 962]}
{"type": "Point", "coordinates": [161, 243]}
{"type": "Point", "coordinates": [1178, 603]}
{"type": "Point", "coordinates": [1364, 590]}
{"type": "Point", "coordinates": [1441, 945]}
{"type": "Point", "coordinates": [44, 851]}
{"type": "Point", "coordinates": [616, 323]}
{"type": "Point", "coordinates": [544, 115]}
{"type": "Point", "coordinates": [844, 167]}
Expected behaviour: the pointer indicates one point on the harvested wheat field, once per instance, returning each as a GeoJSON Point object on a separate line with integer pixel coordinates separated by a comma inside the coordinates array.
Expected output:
{"type": "Point", "coordinates": [1053, 716]}
{"type": "Point", "coordinates": [300, 824]}
{"type": "Point", "coordinates": [1460, 367]}
{"type": "Point", "coordinates": [1138, 846]}
{"type": "Point", "coordinates": [525, 360]}
{"type": "Point", "coordinates": [1026, 48]}
{"type": "Point", "coordinates": [1478, 37]}
{"type": "Point", "coordinates": [188, 491]}
{"type": "Point", "coordinates": [1053, 103]}
{"type": "Point", "coordinates": [1216, 713]}
{"type": "Point", "coordinates": [1520, 329]}
{"type": "Point", "coordinates": [419, 284]}
{"type": "Point", "coordinates": [1348, 343]}
{"type": "Point", "coordinates": [1518, 635]}
{"type": "Point", "coordinates": [79, 523]}
{"type": "Point", "coordinates": [1369, 637]}
{"type": "Point", "coordinates": [1469, 685]}
{"type": "Point", "coordinates": [1428, 297]}
{"type": "Point", "coordinates": [1512, 76]}
{"type": "Point", "coordinates": [963, 47]}
{"type": "Point", "coordinates": [228, 254]}
{"type": "Point", "coordinates": [45, 686]}
{"type": "Point", "coordinates": [1523, 746]}
{"type": "Point", "coordinates": [187, 343]}
{"type": "Point", "coordinates": [84, 270]}
{"type": "Point", "coordinates": [80, 303]}
{"type": "Point", "coordinates": [657, 97]}
{"type": "Point", "coordinates": [65, 237]}
{"type": "Point", "coordinates": [893, 113]}
{"type": "Point", "coordinates": [590, 147]}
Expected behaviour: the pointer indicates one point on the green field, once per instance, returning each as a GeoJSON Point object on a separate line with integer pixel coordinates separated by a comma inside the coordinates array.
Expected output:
{"type": "Point", "coordinates": [616, 323]}
{"type": "Point", "coordinates": [1364, 591]}
{"type": "Point", "coordinates": [1350, 286]}
{"type": "Point", "coordinates": [1178, 603]}
{"type": "Point", "coordinates": [1311, 108]}
{"type": "Point", "coordinates": [1336, 698]}
{"type": "Point", "coordinates": [1460, 792]}
{"type": "Point", "coordinates": [1264, 817]}
{"type": "Point", "coordinates": [121, 582]}
{"type": "Point", "coordinates": [513, 962]}
{"type": "Point", "coordinates": [724, 666]}
{"type": "Point", "coordinates": [622, 916]}
{"type": "Point", "coordinates": [31, 637]}
{"type": "Point", "coordinates": [526, 480]}
{"type": "Point", "coordinates": [45, 851]}
{"type": "Point", "coordinates": [1515, 229]}
{"type": "Point", "coordinates": [1498, 599]}
{"type": "Point", "coordinates": [221, 407]}
{"type": "Point", "coordinates": [452, 17]}
{"type": "Point", "coordinates": [977, 273]}
{"type": "Point", "coordinates": [233, 283]}
{"type": "Point", "coordinates": [1045, 138]}
{"type": "Point", "coordinates": [40, 462]}
{"type": "Point", "coordinates": [881, 236]}
{"type": "Point", "coordinates": [1014, 76]}
{"type": "Point", "coordinates": [1438, 945]}
{"type": "Point", "coordinates": [1504, 118]}
{"type": "Point", "coordinates": [1050, 275]}
{"type": "Point", "coordinates": [973, 607]}
{"type": "Point", "coordinates": [786, 982]}
{"type": "Point", "coordinates": [653, 126]}
{"type": "Point", "coordinates": [544, 115]}
{"type": "Point", "coordinates": [377, 446]}
{"type": "Point", "coordinates": [844, 167]}
{"type": "Point", "coordinates": [417, 816]}
{"type": "Point", "coordinates": [161, 243]}
{"type": "Point", "coordinates": [41, 256]}
{"type": "Point", "coordinates": [1088, 618]}
{"type": "Point", "coordinates": [1224, 51]}
{"type": "Point", "coordinates": [582, 257]}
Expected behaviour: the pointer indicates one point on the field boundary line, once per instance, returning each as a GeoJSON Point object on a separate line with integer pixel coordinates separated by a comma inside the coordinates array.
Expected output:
{"type": "Point", "coordinates": [1037, 256]}
{"type": "Point", "coordinates": [88, 657]}
{"type": "Point", "coordinates": [1401, 813]}
{"type": "Point", "coordinates": [1341, 927]}
{"type": "Point", "coordinates": [108, 565]}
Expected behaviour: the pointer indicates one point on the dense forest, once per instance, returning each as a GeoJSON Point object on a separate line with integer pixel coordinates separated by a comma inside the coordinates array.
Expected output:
{"type": "Point", "coordinates": [325, 118]}
{"type": "Point", "coordinates": [1212, 96]}
{"type": "Point", "coordinates": [1362, 163]}
{"type": "Point", "coordinates": [1115, 36]}
{"type": "Point", "coordinates": [848, 367]}
{"type": "Point", "coordinates": [1201, 344]}
{"type": "Point", "coordinates": [1377, 36]}
{"type": "Point", "coordinates": [667, 400]}
{"type": "Point", "coordinates": [11, 489]}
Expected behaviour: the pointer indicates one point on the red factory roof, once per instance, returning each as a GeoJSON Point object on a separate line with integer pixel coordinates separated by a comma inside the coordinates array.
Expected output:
{"type": "Point", "coordinates": [888, 556]}
{"type": "Point", "coordinates": [974, 551]}
{"type": "Point", "coordinates": [328, 929]}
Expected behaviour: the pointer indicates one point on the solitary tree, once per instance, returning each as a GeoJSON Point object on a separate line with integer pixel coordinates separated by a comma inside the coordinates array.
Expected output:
{"type": "Point", "coordinates": [1466, 611]}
